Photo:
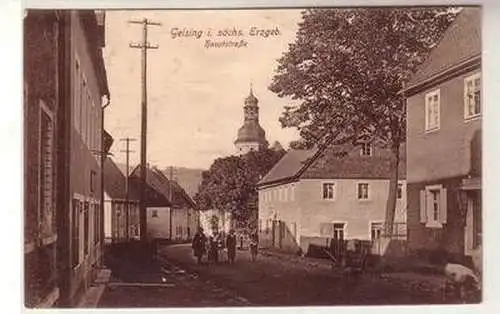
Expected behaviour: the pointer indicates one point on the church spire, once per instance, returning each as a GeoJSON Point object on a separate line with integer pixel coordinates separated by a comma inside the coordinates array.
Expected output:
{"type": "Point", "coordinates": [251, 100]}
{"type": "Point", "coordinates": [251, 136]}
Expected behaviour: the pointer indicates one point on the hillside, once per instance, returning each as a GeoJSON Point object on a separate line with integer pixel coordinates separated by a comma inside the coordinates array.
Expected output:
{"type": "Point", "coordinates": [188, 178]}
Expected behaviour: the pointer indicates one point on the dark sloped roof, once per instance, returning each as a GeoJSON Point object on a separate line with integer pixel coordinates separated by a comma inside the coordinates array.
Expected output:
{"type": "Point", "coordinates": [329, 165]}
{"type": "Point", "coordinates": [460, 42]}
{"type": "Point", "coordinates": [251, 132]}
{"type": "Point", "coordinates": [114, 181]}
{"type": "Point", "coordinates": [288, 166]}
{"type": "Point", "coordinates": [157, 181]}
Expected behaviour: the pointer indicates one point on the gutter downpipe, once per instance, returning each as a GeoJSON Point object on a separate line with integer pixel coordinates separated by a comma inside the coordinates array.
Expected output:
{"type": "Point", "coordinates": [103, 158]}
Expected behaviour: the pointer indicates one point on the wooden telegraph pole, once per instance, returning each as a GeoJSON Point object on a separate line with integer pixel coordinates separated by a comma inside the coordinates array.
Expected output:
{"type": "Point", "coordinates": [144, 46]}
{"type": "Point", "coordinates": [127, 201]}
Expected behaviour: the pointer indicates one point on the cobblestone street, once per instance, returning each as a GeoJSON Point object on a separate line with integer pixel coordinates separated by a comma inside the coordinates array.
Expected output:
{"type": "Point", "coordinates": [273, 280]}
{"type": "Point", "coordinates": [276, 279]}
{"type": "Point", "coordinates": [162, 284]}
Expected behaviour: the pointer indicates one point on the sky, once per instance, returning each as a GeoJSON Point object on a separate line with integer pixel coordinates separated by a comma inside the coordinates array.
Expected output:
{"type": "Point", "coordinates": [195, 94]}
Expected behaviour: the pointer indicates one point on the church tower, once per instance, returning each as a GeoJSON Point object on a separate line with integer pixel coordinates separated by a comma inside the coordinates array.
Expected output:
{"type": "Point", "coordinates": [251, 136]}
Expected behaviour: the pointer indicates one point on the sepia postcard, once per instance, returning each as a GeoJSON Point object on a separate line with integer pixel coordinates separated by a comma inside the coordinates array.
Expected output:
{"type": "Point", "coordinates": [252, 156]}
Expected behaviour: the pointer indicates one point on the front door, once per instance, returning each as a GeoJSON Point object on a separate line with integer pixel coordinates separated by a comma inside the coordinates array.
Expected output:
{"type": "Point", "coordinates": [473, 225]}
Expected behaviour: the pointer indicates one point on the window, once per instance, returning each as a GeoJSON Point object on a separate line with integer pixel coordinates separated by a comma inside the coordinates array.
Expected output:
{"type": "Point", "coordinates": [362, 191]}
{"type": "Point", "coordinates": [338, 231]}
{"type": "Point", "coordinates": [328, 191]}
{"type": "Point", "coordinates": [92, 181]}
{"type": "Point", "coordinates": [97, 219]}
{"type": "Point", "coordinates": [86, 231]}
{"type": "Point", "coordinates": [75, 232]}
{"type": "Point", "coordinates": [433, 206]}
{"type": "Point", "coordinates": [46, 173]}
{"type": "Point", "coordinates": [83, 120]}
{"type": "Point", "coordinates": [366, 149]}
{"type": "Point", "coordinates": [400, 191]}
{"type": "Point", "coordinates": [335, 230]}
{"type": "Point", "coordinates": [472, 96]}
{"type": "Point", "coordinates": [77, 95]}
{"type": "Point", "coordinates": [376, 230]}
{"type": "Point", "coordinates": [88, 111]}
{"type": "Point", "coordinates": [154, 213]}
{"type": "Point", "coordinates": [432, 111]}
{"type": "Point", "coordinates": [91, 128]}
{"type": "Point", "coordinates": [292, 192]}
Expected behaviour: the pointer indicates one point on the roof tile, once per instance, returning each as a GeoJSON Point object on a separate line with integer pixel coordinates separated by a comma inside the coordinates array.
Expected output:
{"type": "Point", "coordinates": [460, 42]}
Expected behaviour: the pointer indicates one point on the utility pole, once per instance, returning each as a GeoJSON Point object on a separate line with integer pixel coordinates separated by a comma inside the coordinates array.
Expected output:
{"type": "Point", "coordinates": [144, 46]}
{"type": "Point", "coordinates": [170, 194]}
{"type": "Point", "coordinates": [127, 151]}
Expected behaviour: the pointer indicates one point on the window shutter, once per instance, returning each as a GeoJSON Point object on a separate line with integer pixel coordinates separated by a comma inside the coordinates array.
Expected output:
{"type": "Point", "coordinates": [423, 207]}
{"type": "Point", "coordinates": [442, 208]}
{"type": "Point", "coordinates": [438, 111]}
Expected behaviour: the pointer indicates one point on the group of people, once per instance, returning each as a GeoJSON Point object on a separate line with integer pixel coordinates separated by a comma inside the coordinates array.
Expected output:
{"type": "Point", "coordinates": [217, 243]}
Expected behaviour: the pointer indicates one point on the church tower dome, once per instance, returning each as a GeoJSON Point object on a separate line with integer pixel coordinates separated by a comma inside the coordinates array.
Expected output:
{"type": "Point", "coordinates": [251, 136]}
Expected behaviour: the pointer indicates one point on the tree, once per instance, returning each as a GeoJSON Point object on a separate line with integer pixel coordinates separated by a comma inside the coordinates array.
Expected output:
{"type": "Point", "coordinates": [230, 183]}
{"type": "Point", "coordinates": [346, 68]}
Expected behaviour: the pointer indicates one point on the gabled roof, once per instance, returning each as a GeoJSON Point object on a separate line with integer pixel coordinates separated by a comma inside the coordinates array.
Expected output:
{"type": "Point", "coordinates": [158, 182]}
{"type": "Point", "coordinates": [460, 43]}
{"type": "Point", "coordinates": [329, 163]}
{"type": "Point", "coordinates": [114, 181]}
{"type": "Point", "coordinates": [288, 167]}
{"type": "Point", "coordinates": [331, 166]}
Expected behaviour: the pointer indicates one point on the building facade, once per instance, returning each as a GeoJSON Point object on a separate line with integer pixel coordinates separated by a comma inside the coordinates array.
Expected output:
{"type": "Point", "coordinates": [120, 210]}
{"type": "Point", "coordinates": [251, 136]}
{"type": "Point", "coordinates": [314, 196]}
{"type": "Point", "coordinates": [444, 144]}
{"type": "Point", "coordinates": [171, 213]}
{"type": "Point", "coordinates": [65, 85]}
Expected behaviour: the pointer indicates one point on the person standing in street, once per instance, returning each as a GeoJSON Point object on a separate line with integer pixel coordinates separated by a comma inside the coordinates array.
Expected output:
{"type": "Point", "coordinates": [254, 246]}
{"type": "Point", "coordinates": [213, 248]}
{"type": "Point", "coordinates": [199, 244]}
{"type": "Point", "coordinates": [231, 246]}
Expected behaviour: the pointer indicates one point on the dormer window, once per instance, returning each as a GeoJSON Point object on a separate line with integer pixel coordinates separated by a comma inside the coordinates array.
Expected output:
{"type": "Point", "coordinates": [366, 149]}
